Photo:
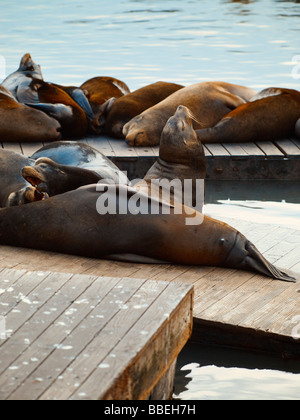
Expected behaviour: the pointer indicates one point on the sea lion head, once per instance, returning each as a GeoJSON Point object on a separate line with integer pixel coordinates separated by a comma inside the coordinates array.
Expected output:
{"type": "Point", "coordinates": [40, 175]}
{"type": "Point", "coordinates": [179, 143]}
{"type": "Point", "coordinates": [24, 196]}
{"type": "Point", "coordinates": [143, 130]}
{"type": "Point", "coordinates": [30, 68]}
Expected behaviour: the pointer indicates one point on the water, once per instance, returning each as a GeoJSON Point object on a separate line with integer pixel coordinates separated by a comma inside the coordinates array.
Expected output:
{"type": "Point", "coordinates": [254, 43]}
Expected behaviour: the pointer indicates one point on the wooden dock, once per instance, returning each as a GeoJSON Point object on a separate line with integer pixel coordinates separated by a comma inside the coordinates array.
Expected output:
{"type": "Point", "coordinates": [85, 337]}
{"type": "Point", "coordinates": [231, 307]}
{"type": "Point", "coordinates": [278, 160]}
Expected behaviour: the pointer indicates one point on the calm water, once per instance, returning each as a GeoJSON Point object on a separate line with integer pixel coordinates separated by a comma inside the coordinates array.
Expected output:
{"type": "Point", "coordinates": [255, 43]}
{"type": "Point", "coordinates": [247, 42]}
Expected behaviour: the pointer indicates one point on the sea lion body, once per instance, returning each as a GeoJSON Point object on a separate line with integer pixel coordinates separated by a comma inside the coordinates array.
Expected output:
{"type": "Point", "coordinates": [14, 189]}
{"type": "Point", "coordinates": [65, 166]}
{"type": "Point", "coordinates": [120, 111]}
{"type": "Point", "coordinates": [209, 102]}
{"type": "Point", "coordinates": [98, 91]}
{"type": "Point", "coordinates": [271, 115]}
{"type": "Point", "coordinates": [56, 103]}
{"type": "Point", "coordinates": [70, 223]}
{"type": "Point", "coordinates": [19, 123]}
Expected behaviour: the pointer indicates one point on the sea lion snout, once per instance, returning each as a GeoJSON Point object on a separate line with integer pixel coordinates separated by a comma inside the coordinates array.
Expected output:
{"type": "Point", "coordinates": [136, 138]}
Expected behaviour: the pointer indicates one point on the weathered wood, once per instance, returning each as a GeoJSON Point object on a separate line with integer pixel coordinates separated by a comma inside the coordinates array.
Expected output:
{"type": "Point", "coordinates": [65, 330]}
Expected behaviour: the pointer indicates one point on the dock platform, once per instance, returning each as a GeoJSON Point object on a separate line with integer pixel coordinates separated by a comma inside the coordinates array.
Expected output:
{"type": "Point", "coordinates": [232, 308]}
{"type": "Point", "coordinates": [278, 160]}
{"type": "Point", "coordinates": [78, 337]}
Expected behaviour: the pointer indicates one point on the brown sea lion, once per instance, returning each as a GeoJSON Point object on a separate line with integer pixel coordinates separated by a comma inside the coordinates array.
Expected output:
{"type": "Point", "coordinates": [14, 190]}
{"type": "Point", "coordinates": [118, 112]}
{"type": "Point", "coordinates": [98, 91]}
{"type": "Point", "coordinates": [20, 123]}
{"type": "Point", "coordinates": [70, 223]}
{"type": "Point", "coordinates": [209, 102]}
{"type": "Point", "coordinates": [64, 166]}
{"type": "Point", "coordinates": [271, 115]}
{"type": "Point", "coordinates": [56, 103]}
{"type": "Point", "coordinates": [181, 166]}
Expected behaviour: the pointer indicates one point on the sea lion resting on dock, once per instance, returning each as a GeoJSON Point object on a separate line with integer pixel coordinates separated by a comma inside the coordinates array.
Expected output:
{"type": "Point", "coordinates": [273, 114]}
{"type": "Point", "coordinates": [119, 111]}
{"type": "Point", "coordinates": [70, 223]}
{"type": "Point", "coordinates": [20, 123]}
{"type": "Point", "coordinates": [209, 102]}
{"type": "Point", "coordinates": [68, 105]}
{"type": "Point", "coordinates": [81, 222]}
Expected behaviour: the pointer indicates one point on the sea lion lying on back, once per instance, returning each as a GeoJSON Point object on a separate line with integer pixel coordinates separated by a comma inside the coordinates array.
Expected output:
{"type": "Point", "coordinates": [209, 102]}
{"type": "Point", "coordinates": [20, 123]}
{"type": "Point", "coordinates": [119, 111]}
{"type": "Point", "coordinates": [273, 114]}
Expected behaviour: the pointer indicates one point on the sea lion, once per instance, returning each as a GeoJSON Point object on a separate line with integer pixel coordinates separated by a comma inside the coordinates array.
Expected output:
{"type": "Point", "coordinates": [27, 70]}
{"type": "Point", "coordinates": [98, 91]}
{"type": "Point", "coordinates": [14, 190]}
{"type": "Point", "coordinates": [209, 102]}
{"type": "Point", "coordinates": [65, 166]}
{"type": "Point", "coordinates": [56, 103]}
{"type": "Point", "coordinates": [271, 115]}
{"type": "Point", "coordinates": [79, 97]}
{"type": "Point", "coordinates": [70, 223]}
{"type": "Point", "coordinates": [181, 166]}
{"type": "Point", "coordinates": [19, 123]}
{"type": "Point", "coordinates": [119, 111]}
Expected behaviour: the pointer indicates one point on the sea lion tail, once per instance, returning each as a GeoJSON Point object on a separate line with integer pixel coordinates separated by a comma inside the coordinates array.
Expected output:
{"type": "Point", "coordinates": [245, 256]}
{"type": "Point", "coordinates": [258, 262]}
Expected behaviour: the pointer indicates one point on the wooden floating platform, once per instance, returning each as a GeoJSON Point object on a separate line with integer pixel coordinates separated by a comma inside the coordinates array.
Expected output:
{"type": "Point", "coordinates": [231, 307]}
{"type": "Point", "coordinates": [86, 337]}
{"type": "Point", "coordinates": [278, 160]}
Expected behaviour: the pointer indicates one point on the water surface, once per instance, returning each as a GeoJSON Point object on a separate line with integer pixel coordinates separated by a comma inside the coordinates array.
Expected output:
{"type": "Point", "coordinates": [248, 42]}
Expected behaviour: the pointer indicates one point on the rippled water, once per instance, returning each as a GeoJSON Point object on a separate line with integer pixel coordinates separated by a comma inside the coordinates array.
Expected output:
{"type": "Point", "coordinates": [255, 43]}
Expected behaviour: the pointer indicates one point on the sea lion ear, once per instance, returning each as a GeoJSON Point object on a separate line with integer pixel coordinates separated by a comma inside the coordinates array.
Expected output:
{"type": "Point", "coordinates": [106, 107]}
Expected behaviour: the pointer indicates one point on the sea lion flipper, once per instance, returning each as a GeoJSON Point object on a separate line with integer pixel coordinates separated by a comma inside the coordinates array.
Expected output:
{"type": "Point", "coordinates": [81, 99]}
{"type": "Point", "coordinates": [257, 262]}
{"type": "Point", "coordinates": [57, 111]}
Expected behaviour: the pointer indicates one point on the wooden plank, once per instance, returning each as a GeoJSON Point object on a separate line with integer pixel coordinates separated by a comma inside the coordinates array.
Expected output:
{"type": "Point", "coordinates": [102, 145]}
{"type": "Point", "coordinates": [121, 149]}
{"type": "Point", "coordinates": [297, 143]}
{"type": "Point", "coordinates": [235, 150]}
{"type": "Point", "coordinates": [217, 150]}
{"type": "Point", "coordinates": [14, 147]}
{"type": "Point", "coordinates": [288, 148]}
{"type": "Point", "coordinates": [253, 151]}
{"type": "Point", "coordinates": [270, 150]}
